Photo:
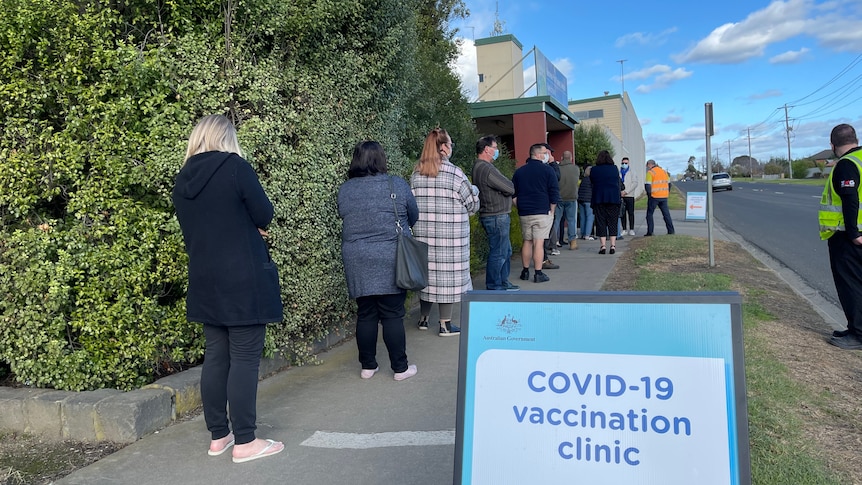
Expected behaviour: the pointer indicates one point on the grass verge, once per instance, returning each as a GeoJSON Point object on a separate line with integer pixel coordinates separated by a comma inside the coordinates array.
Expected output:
{"type": "Point", "coordinates": [780, 407]}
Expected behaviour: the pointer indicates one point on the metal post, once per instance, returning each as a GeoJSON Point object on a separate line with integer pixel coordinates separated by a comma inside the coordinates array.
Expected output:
{"type": "Point", "coordinates": [788, 128]}
{"type": "Point", "coordinates": [709, 133]}
{"type": "Point", "coordinates": [750, 163]}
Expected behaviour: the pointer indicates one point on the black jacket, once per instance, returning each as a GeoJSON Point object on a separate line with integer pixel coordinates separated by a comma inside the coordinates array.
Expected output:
{"type": "Point", "coordinates": [220, 205]}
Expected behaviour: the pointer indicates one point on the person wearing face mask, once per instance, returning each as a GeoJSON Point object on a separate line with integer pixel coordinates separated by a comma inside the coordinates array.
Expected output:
{"type": "Point", "coordinates": [446, 199]}
{"type": "Point", "coordinates": [630, 182]}
{"type": "Point", "coordinates": [536, 194]}
{"type": "Point", "coordinates": [495, 204]}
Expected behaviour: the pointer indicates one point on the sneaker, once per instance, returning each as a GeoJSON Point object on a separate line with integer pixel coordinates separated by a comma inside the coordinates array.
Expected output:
{"type": "Point", "coordinates": [559, 245]}
{"type": "Point", "coordinates": [840, 333]}
{"type": "Point", "coordinates": [548, 264]}
{"type": "Point", "coordinates": [369, 373]}
{"type": "Point", "coordinates": [540, 278]}
{"type": "Point", "coordinates": [631, 232]}
{"type": "Point", "coordinates": [591, 238]}
{"type": "Point", "coordinates": [423, 324]}
{"type": "Point", "coordinates": [555, 252]}
{"type": "Point", "coordinates": [525, 274]}
{"type": "Point", "coordinates": [847, 342]}
{"type": "Point", "coordinates": [448, 330]}
{"type": "Point", "coordinates": [620, 237]}
{"type": "Point", "coordinates": [410, 372]}
{"type": "Point", "coordinates": [511, 287]}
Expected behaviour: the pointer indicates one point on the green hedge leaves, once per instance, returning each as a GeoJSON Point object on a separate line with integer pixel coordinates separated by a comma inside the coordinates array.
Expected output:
{"type": "Point", "coordinates": [96, 103]}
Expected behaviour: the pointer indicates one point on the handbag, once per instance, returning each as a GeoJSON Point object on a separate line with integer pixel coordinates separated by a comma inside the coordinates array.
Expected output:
{"type": "Point", "coordinates": [411, 256]}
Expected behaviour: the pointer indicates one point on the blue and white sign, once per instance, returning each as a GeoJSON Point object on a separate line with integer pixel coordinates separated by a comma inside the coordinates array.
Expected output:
{"type": "Point", "coordinates": [550, 81]}
{"type": "Point", "coordinates": [695, 206]}
{"type": "Point", "coordinates": [607, 387]}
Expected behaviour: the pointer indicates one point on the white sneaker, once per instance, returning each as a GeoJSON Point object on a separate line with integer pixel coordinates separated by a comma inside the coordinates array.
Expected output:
{"type": "Point", "coordinates": [631, 232]}
{"type": "Point", "coordinates": [555, 252]}
{"type": "Point", "coordinates": [410, 372]}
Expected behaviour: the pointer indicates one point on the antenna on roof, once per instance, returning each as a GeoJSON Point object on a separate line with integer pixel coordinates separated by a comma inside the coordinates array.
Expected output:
{"type": "Point", "coordinates": [498, 24]}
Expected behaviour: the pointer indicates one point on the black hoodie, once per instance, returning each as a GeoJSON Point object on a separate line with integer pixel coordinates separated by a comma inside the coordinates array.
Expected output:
{"type": "Point", "coordinates": [220, 205]}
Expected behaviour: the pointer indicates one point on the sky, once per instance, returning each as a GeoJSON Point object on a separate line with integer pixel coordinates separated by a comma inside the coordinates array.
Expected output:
{"type": "Point", "coordinates": [749, 58]}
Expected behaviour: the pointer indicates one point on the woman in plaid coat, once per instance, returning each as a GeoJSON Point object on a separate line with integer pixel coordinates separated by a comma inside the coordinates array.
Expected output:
{"type": "Point", "coordinates": [446, 200]}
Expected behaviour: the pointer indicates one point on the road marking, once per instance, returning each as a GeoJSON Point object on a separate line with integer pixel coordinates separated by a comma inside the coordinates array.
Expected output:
{"type": "Point", "coordinates": [326, 439]}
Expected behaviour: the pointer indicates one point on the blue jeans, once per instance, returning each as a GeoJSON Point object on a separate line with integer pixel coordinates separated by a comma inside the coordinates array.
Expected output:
{"type": "Point", "coordinates": [499, 251]}
{"type": "Point", "coordinates": [569, 208]}
{"type": "Point", "coordinates": [585, 213]}
{"type": "Point", "coordinates": [652, 203]}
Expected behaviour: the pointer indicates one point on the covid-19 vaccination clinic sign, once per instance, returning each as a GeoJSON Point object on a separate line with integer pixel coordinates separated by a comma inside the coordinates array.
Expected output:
{"type": "Point", "coordinates": [601, 388]}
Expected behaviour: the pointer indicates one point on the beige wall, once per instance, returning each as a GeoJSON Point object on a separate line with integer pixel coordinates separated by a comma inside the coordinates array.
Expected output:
{"type": "Point", "coordinates": [495, 63]}
{"type": "Point", "coordinates": [622, 127]}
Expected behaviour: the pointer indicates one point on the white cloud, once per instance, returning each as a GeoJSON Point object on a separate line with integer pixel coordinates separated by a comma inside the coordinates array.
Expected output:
{"type": "Point", "coordinates": [645, 121]}
{"type": "Point", "coordinates": [672, 119]}
{"type": "Point", "coordinates": [645, 73]}
{"type": "Point", "coordinates": [664, 78]}
{"type": "Point", "coordinates": [733, 43]}
{"type": "Point", "coordinates": [644, 39]}
{"type": "Point", "coordinates": [789, 57]}
{"type": "Point", "coordinates": [689, 134]}
{"type": "Point", "coordinates": [466, 67]}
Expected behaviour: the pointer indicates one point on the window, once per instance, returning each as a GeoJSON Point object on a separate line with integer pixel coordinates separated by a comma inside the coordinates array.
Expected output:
{"type": "Point", "coordinates": [593, 113]}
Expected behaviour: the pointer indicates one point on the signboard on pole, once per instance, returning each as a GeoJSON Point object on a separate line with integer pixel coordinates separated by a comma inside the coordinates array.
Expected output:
{"type": "Point", "coordinates": [608, 387]}
{"type": "Point", "coordinates": [695, 206]}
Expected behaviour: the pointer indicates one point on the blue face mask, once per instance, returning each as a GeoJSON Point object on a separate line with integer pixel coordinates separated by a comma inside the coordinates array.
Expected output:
{"type": "Point", "coordinates": [496, 153]}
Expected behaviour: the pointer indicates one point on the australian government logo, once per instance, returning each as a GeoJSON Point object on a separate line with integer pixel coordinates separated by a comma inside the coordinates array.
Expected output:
{"type": "Point", "coordinates": [509, 329]}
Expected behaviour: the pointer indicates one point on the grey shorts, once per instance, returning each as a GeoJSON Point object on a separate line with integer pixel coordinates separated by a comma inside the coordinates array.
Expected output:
{"type": "Point", "coordinates": [536, 227]}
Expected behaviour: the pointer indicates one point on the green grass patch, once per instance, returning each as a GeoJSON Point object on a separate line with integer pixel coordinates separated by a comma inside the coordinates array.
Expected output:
{"type": "Point", "coordinates": [780, 452]}
{"type": "Point", "coordinates": [666, 247]}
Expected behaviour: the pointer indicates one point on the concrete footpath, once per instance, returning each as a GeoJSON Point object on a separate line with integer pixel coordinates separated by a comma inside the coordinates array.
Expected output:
{"type": "Point", "coordinates": [340, 429]}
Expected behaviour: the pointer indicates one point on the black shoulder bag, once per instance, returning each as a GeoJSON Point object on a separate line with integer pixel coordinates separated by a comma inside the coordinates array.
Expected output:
{"type": "Point", "coordinates": [411, 262]}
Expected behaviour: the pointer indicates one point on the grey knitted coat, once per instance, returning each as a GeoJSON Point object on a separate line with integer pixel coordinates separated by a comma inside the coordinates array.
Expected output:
{"type": "Point", "coordinates": [368, 233]}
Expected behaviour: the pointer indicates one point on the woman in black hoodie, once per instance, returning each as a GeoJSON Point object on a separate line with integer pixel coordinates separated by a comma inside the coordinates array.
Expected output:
{"type": "Point", "coordinates": [233, 284]}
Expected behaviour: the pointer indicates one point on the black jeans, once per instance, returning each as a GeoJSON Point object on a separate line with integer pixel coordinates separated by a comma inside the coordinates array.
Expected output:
{"type": "Point", "coordinates": [230, 375]}
{"type": "Point", "coordinates": [388, 311]}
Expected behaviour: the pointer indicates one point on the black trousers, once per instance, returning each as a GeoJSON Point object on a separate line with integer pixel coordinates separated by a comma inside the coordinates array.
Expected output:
{"type": "Point", "coordinates": [606, 219]}
{"type": "Point", "coordinates": [845, 259]}
{"type": "Point", "coordinates": [630, 212]}
{"type": "Point", "coordinates": [229, 375]}
{"type": "Point", "coordinates": [385, 311]}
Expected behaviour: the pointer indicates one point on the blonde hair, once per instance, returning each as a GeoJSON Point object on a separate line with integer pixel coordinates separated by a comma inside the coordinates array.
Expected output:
{"type": "Point", "coordinates": [430, 159]}
{"type": "Point", "coordinates": [213, 133]}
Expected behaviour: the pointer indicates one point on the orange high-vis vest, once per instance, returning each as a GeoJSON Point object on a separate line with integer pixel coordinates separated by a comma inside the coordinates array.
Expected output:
{"type": "Point", "coordinates": [659, 182]}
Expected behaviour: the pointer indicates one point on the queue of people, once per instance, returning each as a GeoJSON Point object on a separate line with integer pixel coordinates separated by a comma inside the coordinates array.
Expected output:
{"type": "Point", "coordinates": [234, 285]}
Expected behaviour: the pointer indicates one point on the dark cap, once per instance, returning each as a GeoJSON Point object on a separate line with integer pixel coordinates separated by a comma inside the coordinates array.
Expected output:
{"type": "Point", "coordinates": [548, 147]}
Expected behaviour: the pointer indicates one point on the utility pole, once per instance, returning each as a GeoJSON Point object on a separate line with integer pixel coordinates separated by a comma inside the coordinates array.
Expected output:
{"type": "Point", "coordinates": [788, 128]}
{"type": "Point", "coordinates": [622, 76]}
{"type": "Point", "coordinates": [750, 163]}
{"type": "Point", "coordinates": [729, 158]}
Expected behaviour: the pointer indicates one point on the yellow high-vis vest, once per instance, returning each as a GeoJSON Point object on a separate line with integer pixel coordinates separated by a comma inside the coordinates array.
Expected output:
{"type": "Point", "coordinates": [659, 182]}
{"type": "Point", "coordinates": [830, 215]}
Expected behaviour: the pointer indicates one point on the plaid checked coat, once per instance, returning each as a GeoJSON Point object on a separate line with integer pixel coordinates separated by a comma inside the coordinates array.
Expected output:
{"type": "Point", "coordinates": [445, 205]}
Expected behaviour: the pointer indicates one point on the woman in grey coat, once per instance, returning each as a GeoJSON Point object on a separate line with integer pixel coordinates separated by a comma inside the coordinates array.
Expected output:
{"type": "Point", "coordinates": [368, 242]}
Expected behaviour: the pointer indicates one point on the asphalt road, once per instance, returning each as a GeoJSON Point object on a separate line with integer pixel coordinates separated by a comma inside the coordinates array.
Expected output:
{"type": "Point", "coordinates": [779, 219]}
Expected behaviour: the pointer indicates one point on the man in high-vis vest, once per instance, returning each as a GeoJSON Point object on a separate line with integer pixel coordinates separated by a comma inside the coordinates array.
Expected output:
{"type": "Point", "coordinates": [657, 189]}
{"type": "Point", "coordinates": [840, 220]}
